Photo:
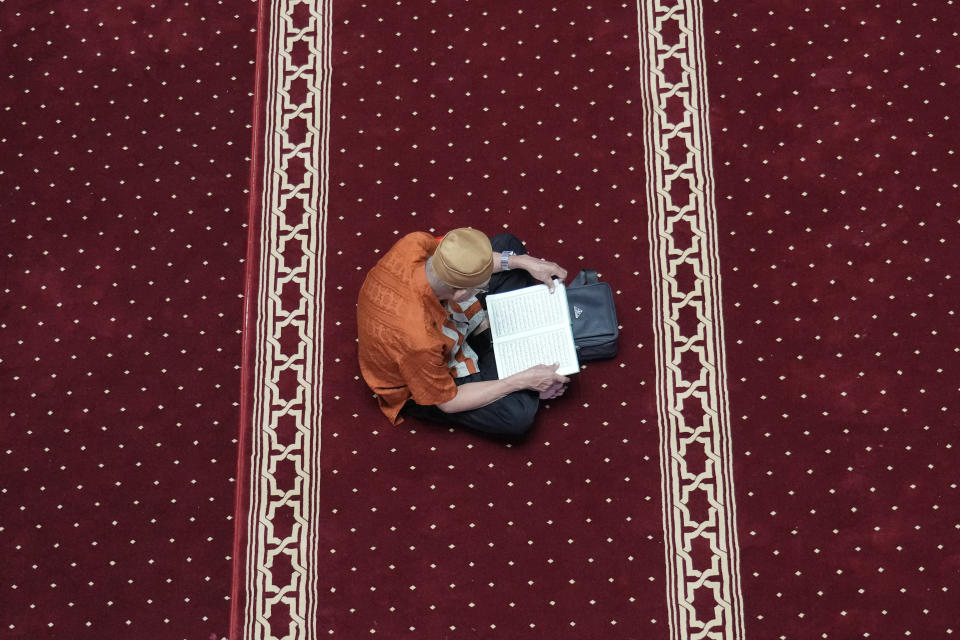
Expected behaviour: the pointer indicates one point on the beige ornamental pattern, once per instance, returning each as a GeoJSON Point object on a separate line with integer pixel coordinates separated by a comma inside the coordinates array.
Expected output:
{"type": "Point", "coordinates": [695, 450]}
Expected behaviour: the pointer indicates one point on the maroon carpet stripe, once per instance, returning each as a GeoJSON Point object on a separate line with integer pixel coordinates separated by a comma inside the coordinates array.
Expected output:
{"type": "Point", "coordinates": [835, 154]}
{"type": "Point", "coordinates": [485, 114]}
{"type": "Point", "coordinates": [123, 138]}
{"type": "Point", "coordinates": [238, 593]}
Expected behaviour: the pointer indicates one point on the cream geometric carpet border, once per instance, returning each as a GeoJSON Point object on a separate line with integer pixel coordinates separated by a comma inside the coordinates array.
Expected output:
{"type": "Point", "coordinates": [702, 558]}
{"type": "Point", "coordinates": [284, 477]}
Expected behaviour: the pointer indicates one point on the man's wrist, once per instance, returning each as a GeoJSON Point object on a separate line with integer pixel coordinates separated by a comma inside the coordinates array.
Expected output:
{"type": "Point", "coordinates": [505, 260]}
{"type": "Point", "coordinates": [519, 261]}
{"type": "Point", "coordinates": [512, 383]}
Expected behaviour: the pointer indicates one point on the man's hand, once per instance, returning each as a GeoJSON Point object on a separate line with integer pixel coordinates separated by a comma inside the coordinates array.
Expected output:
{"type": "Point", "coordinates": [555, 391]}
{"type": "Point", "coordinates": [543, 270]}
{"type": "Point", "coordinates": [543, 379]}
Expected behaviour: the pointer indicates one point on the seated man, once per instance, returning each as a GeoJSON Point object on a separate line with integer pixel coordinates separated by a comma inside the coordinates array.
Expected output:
{"type": "Point", "coordinates": [424, 339]}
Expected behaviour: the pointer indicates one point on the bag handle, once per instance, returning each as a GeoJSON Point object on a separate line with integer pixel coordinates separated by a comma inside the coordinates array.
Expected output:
{"type": "Point", "coordinates": [585, 277]}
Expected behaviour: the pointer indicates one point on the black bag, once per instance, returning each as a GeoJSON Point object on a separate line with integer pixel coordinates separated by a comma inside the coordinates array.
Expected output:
{"type": "Point", "coordinates": [593, 316]}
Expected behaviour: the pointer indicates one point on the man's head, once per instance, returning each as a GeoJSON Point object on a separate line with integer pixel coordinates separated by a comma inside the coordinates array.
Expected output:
{"type": "Point", "coordinates": [462, 264]}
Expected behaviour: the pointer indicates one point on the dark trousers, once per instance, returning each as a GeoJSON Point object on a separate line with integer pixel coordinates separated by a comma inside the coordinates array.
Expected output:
{"type": "Point", "coordinates": [513, 414]}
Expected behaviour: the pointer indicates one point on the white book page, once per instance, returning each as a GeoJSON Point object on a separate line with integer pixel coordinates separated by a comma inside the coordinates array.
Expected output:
{"type": "Point", "coordinates": [516, 354]}
{"type": "Point", "coordinates": [531, 326]}
{"type": "Point", "coordinates": [527, 310]}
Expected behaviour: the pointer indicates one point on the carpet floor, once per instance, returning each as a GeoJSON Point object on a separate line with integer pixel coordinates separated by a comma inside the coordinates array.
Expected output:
{"type": "Point", "coordinates": [124, 139]}
{"type": "Point", "coordinates": [835, 156]}
{"type": "Point", "coordinates": [768, 191]}
{"type": "Point", "coordinates": [771, 191]}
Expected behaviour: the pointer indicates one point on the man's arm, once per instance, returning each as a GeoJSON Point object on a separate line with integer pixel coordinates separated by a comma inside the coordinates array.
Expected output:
{"type": "Point", "coordinates": [542, 270]}
{"type": "Point", "coordinates": [473, 395]}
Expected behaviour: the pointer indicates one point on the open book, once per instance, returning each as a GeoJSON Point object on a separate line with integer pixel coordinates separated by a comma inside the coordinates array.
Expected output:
{"type": "Point", "coordinates": [531, 326]}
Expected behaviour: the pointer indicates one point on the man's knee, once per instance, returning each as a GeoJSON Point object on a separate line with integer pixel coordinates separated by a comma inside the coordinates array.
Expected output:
{"type": "Point", "coordinates": [514, 414]}
{"type": "Point", "coordinates": [527, 413]}
{"type": "Point", "coordinates": [507, 242]}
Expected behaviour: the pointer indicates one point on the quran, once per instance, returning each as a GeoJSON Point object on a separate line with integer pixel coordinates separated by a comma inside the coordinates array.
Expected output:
{"type": "Point", "coordinates": [531, 326]}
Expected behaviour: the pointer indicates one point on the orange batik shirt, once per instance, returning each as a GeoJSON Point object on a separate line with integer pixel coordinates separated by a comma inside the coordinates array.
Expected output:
{"type": "Point", "coordinates": [410, 345]}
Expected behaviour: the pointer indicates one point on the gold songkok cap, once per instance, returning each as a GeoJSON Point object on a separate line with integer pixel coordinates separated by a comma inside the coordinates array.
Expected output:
{"type": "Point", "coordinates": [464, 258]}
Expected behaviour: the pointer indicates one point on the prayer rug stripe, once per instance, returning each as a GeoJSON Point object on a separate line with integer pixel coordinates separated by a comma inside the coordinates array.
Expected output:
{"type": "Point", "coordinates": [287, 368]}
{"type": "Point", "coordinates": [700, 535]}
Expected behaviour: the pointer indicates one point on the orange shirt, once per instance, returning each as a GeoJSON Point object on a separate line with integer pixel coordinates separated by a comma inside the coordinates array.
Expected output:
{"type": "Point", "coordinates": [410, 345]}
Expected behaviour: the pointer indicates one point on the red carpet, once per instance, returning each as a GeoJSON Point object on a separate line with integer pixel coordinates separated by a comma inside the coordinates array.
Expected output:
{"type": "Point", "coordinates": [760, 460]}
{"type": "Point", "coordinates": [122, 224]}
{"type": "Point", "coordinates": [356, 526]}
{"type": "Point", "coordinates": [771, 190]}
{"type": "Point", "coordinates": [835, 153]}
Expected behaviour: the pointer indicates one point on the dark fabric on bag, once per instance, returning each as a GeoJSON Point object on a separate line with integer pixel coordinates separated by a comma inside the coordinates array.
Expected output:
{"type": "Point", "coordinates": [593, 317]}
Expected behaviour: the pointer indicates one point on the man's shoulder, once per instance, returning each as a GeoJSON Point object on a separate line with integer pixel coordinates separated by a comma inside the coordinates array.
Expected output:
{"type": "Point", "coordinates": [392, 307]}
{"type": "Point", "coordinates": [410, 250]}
{"type": "Point", "coordinates": [416, 242]}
